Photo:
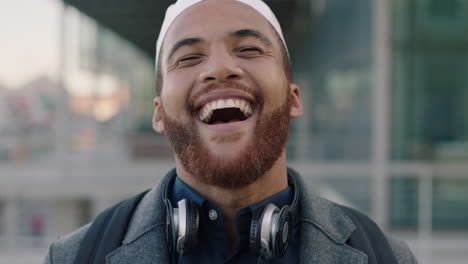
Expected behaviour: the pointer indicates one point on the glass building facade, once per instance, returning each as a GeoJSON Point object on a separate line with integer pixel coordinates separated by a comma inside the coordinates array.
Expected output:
{"type": "Point", "coordinates": [429, 107]}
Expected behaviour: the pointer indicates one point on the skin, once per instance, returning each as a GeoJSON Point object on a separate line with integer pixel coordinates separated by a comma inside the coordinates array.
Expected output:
{"type": "Point", "coordinates": [218, 58]}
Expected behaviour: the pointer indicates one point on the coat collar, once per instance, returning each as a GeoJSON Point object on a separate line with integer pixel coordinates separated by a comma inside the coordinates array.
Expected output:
{"type": "Point", "coordinates": [325, 228]}
{"type": "Point", "coordinates": [325, 215]}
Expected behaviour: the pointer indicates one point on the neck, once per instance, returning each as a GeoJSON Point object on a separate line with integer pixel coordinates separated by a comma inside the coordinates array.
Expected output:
{"type": "Point", "coordinates": [230, 201]}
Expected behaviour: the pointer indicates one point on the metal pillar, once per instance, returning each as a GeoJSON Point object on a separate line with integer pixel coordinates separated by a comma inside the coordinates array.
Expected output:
{"type": "Point", "coordinates": [62, 112]}
{"type": "Point", "coordinates": [425, 180]}
{"type": "Point", "coordinates": [381, 109]}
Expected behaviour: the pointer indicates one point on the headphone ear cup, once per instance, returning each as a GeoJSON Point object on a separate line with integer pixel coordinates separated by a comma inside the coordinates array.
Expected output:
{"type": "Point", "coordinates": [281, 236]}
{"type": "Point", "coordinates": [171, 227]}
{"type": "Point", "coordinates": [255, 227]}
{"type": "Point", "coordinates": [193, 222]}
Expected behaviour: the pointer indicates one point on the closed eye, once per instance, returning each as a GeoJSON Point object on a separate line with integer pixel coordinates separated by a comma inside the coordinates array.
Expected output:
{"type": "Point", "coordinates": [189, 60]}
{"type": "Point", "coordinates": [248, 51]}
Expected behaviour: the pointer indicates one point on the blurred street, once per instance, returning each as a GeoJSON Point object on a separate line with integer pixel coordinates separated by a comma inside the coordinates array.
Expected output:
{"type": "Point", "coordinates": [23, 256]}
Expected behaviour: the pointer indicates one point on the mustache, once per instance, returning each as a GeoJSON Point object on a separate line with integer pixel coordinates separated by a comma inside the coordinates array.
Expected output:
{"type": "Point", "coordinates": [233, 85]}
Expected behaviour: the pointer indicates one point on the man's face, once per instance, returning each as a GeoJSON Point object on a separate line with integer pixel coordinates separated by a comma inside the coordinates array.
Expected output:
{"type": "Point", "coordinates": [226, 101]}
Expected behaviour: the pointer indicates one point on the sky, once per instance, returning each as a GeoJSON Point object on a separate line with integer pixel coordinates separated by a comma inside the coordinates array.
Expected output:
{"type": "Point", "coordinates": [29, 40]}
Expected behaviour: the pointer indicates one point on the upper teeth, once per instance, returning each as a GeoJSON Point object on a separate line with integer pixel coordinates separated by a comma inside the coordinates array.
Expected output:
{"type": "Point", "coordinates": [207, 110]}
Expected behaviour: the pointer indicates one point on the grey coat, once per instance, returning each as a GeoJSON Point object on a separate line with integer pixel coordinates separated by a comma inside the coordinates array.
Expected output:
{"type": "Point", "coordinates": [324, 231]}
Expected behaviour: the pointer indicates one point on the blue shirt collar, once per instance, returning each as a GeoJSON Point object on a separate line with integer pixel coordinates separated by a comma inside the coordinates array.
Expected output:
{"type": "Point", "coordinates": [181, 190]}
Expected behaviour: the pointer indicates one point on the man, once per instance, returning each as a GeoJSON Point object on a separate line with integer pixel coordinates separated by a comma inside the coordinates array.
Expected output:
{"type": "Point", "coordinates": [225, 98]}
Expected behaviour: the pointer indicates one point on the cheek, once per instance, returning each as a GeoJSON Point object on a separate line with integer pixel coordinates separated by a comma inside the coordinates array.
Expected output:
{"type": "Point", "coordinates": [174, 96]}
{"type": "Point", "coordinates": [272, 83]}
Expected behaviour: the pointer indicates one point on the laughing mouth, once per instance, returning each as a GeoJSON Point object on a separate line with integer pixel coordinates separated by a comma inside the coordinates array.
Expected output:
{"type": "Point", "coordinates": [225, 111]}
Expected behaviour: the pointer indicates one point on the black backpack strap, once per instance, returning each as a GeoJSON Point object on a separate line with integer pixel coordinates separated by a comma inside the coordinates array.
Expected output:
{"type": "Point", "coordinates": [369, 239]}
{"type": "Point", "coordinates": [107, 232]}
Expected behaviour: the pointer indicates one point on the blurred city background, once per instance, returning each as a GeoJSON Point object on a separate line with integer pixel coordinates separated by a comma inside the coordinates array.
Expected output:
{"type": "Point", "coordinates": [384, 84]}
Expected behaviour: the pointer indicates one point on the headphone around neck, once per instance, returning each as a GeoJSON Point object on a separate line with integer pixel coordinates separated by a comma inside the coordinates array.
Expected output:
{"type": "Point", "coordinates": [269, 229]}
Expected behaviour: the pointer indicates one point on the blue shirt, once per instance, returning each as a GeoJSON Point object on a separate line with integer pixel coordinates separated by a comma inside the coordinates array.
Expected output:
{"type": "Point", "coordinates": [213, 246]}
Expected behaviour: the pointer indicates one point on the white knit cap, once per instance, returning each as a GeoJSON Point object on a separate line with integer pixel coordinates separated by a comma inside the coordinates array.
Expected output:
{"type": "Point", "coordinates": [175, 9]}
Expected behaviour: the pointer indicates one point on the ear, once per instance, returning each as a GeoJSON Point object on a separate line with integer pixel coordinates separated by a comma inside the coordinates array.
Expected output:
{"type": "Point", "coordinates": [158, 121]}
{"type": "Point", "coordinates": [296, 101]}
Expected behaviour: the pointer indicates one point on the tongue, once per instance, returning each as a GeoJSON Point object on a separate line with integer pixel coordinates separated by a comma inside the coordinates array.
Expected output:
{"type": "Point", "coordinates": [222, 122]}
{"type": "Point", "coordinates": [227, 115]}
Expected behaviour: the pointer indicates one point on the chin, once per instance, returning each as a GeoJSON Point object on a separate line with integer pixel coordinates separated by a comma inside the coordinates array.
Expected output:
{"type": "Point", "coordinates": [229, 143]}
{"type": "Point", "coordinates": [227, 156]}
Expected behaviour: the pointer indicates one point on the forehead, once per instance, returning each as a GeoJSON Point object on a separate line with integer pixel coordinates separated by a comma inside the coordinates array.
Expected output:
{"type": "Point", "coordinates": [216, 18]}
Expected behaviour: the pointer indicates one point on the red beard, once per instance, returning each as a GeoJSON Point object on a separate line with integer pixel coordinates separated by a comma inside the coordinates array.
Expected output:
{"type": "Point", "coordinates": [271, 134]}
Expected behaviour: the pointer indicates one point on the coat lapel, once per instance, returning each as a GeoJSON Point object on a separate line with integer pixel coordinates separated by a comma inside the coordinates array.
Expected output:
{"type": "Point", "coordinates": [325, 228]}
{"type": "Point", "coordinates": [150, 247]}
{"type": "Point", "coordinates": [318, 249]}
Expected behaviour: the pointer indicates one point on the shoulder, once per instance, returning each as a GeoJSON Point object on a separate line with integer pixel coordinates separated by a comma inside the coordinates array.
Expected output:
{"type": "Point", "coordinates": [345, 225]}
{"type": "Point", "coordinates": [401, 250]}
{"type": "Point", "coordinates": [149, 209]}
{"type": "Point", "coordinates": [64, 249]}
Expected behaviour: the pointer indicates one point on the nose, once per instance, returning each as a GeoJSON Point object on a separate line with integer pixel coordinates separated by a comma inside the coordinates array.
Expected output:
{"type": "Point", "coordinates": [221, 67]}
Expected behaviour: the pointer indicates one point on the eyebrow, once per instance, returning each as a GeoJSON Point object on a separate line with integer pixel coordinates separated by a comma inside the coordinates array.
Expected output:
{"type": "Point", "coordinates": [252, 33]}
{"type": "Point", "coordinates": [181, 43]}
